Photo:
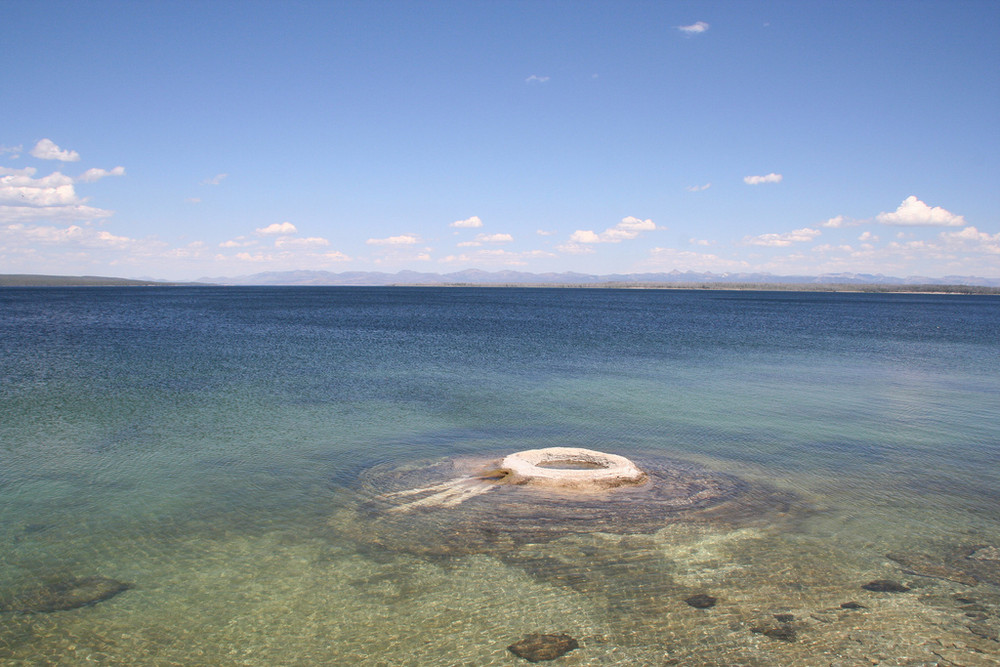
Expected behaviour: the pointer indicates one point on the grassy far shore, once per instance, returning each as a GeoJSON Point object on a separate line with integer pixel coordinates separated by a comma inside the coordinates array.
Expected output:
{"type": "Point", "coordinates": [32, 280]}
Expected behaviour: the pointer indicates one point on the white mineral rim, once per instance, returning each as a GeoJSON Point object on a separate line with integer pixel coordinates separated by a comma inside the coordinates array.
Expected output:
{"type": "Point", "coordinates": [572, 468]}
{"type": "Point", "coordinates": [567, 468]}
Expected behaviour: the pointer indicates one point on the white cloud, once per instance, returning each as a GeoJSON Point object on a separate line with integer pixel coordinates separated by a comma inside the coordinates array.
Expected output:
{"type": "Point", "coordinates": [19, 187]}
{"type": "Point", "coordinates": [701, 242]}
{"type": "Point", "coordinates": [757, 180]}
{"type": "Point", "coordinates": [635, 224]}
{"type": "Point", "coordinates": [694, 28]}
{"type": "Point", "coordinates": [835, 222]}
{"type": "Point", "coordinates": [472, 222]}
{"type": "Point", "coordinates": [93, 175]}
{"type": "Point", "coordinates": [543, 232]}
{"type": "Point", "coordinates": [193, 200]}
{"type": "Point", "coordinates": [915, 213]}
{"type": "Point", "coordinates": [584, 236]}
{"type": "Point", "coordinates": [15, 151]}
{"type": "Point", "coordinates": [215, 180]}
{"type": "Point", "coordinates": [534, 78]}
{"type": "Point", "coordinates": [782, 240]}
{"type": "Point", "coordinates": [277, 228]}
{"type": "Point", "coordinates": [24, 198]}
{"type": "Point", "coordinates": [868, 237]}
{"type": "Point", "coordinates": [628, 228]}
{"type": "Point", "coordinates": [47, 150]}
{"type": "Point", "coordinates": [403, 239]}
{"type": "Point", "coordinates": [698, 188]}
{"type": "Point", "coordinates": [311, 242]}
{"type": "Point", "coordinates": [494, 238]}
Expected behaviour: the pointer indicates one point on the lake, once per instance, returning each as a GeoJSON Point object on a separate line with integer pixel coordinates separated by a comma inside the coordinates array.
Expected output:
{"type": "Point", "coordinates": [231, 454]}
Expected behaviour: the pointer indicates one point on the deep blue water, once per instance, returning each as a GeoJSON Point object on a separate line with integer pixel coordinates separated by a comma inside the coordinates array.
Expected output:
{"type": "Point", "coordinates": [141, 425]}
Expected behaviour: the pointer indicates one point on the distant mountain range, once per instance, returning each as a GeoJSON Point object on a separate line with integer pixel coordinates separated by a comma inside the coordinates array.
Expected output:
{"type": "Point", "coordinates": [829, 281]}
{"type": "Point", "coordinates": [478, 277]}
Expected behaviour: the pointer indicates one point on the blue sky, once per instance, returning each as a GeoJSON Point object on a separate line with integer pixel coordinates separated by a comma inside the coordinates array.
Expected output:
{"type": "Point", "coordinates": [186, 139]}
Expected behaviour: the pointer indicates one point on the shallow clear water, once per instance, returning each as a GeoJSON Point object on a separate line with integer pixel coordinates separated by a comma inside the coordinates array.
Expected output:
{"type": "Point", "coordinates": [211, 447]}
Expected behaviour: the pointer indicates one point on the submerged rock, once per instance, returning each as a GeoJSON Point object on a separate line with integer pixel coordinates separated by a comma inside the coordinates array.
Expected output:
{"type": "Point", "coordinates": [71, 593]}
{"type": "Point", "coordinates": [783, 632]}
{"type": "Point", "coordinates": [985, 631]}
{"type": "Point", "coordinates": [538, 647]}
{"type": "Point", "coordinates": [964, 564]}
{"type": "Point", "coordinates": [701, 601]}
{"type": "Point", "coordinates": [985, 553]}
{"type": "Point", "coordinates": [784, 618]}
{"type": "Point", "coordinates": [885, 586]}
{"type": "Point", "coordinates": [852, 605]}
{"type": "Point", "coordinates": [925, 566]}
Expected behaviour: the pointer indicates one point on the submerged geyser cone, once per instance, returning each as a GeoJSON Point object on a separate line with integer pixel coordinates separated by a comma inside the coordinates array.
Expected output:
{"type": "Point", "coordinates": [572, 468]}
{"type": "Point", "coordinates": [491, 505]}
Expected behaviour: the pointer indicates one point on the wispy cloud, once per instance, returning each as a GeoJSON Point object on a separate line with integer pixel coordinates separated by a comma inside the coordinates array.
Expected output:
{"type": "Point", "coordinates": [403, 239]}
{"type": "Point", "coordinates": [688, 260]}
{"type": "Point", "coordinates": [35, 237]}
{"type": "Point", "coordinates": [534, 78]}
{"type": "Point", "coordinates": [495, 238]}
{"type": "Point", "coordinates": [971, 239]}
{"type": "Point", "coordinates": [785, 239]}
{"type": "Point", "coordinates": [215, 180]}
{"type": "Point", "coordinates": [698, 188]}
{"type": "Point", "coordinates": [277, 228]}
{"type": "Point", "coordinates": [694, 29]}
{"type": "Point", "coordinates": [497, 257]}
{"type": "Point", "coordinates": [292, 242]}
{"type": "Point", "coordinates": [46, 149]}
{"type": "Point", "coordinates": [915, 213]}
{"type": "Point", "coordinates": [15, 151]}
{"type": "Point", "coordinates": [468, 223]}
{"type": "Point", "coordinates": [757, 180]}
{"type": "Point", "coordinates": [486, 238]}
{"type": "Point", "coordinates": [238, 242]}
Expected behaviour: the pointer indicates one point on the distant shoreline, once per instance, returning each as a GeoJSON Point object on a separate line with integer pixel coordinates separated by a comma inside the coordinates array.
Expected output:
{"type": "Point", "coordinates": [37, 280]}
{"type": "Point", "coordinates": [31, 280]}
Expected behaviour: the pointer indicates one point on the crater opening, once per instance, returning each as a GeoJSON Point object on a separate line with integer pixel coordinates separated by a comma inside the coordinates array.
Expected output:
{"type": "Point", "coordinates": [571, 465]}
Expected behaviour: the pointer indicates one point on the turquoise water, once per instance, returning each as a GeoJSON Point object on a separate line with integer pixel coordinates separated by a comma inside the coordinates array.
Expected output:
{"type": "Point", "coordinates": [217, 449]}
